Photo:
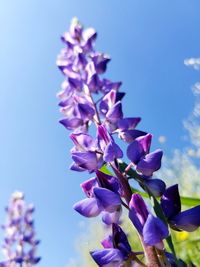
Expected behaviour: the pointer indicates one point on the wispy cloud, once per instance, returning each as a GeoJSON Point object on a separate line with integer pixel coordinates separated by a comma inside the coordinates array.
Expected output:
{"type": "Point", "coordinates": [192, 62]}
{"type": "Point", "coordinates": [182, 166]}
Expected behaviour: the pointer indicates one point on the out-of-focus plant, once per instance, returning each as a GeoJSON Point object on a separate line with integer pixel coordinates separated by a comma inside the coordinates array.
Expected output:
{"type": "Point", "coordinates": [20, 243]}
{"type": "Point", "coordinates": [87, 99]}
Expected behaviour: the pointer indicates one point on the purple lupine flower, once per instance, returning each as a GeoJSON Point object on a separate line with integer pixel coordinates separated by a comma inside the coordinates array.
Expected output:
{"type": "Point", "coordinates": [82, 67]}
{"type": "Point", "coordinates": [188, 220]}
{"type": "Point", "coordinates": [151, 229]}
{"type": "Point", "coordinates": [20, 243]}
{"type": "Point", "coordinates": [102, 199]}
{"type": "Point", "coordinates": [116, 249]}
{"type": "Point", "coordinates": [108, 146]}
{"type": "Point", "coordinates": [138, 152]}
{"type": "Point", "coordinates": [85, 153]}
{"type": "Point", "coordinates": [103, 196]}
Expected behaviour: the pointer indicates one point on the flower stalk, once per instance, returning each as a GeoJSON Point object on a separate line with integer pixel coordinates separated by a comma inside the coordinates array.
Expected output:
{"type": "Point", "coordinates": [82, 67]}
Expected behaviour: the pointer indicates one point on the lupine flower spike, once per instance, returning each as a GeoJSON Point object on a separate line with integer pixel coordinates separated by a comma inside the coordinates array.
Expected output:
{"type": "Point", "coordinates": [88, 99]}
{"type": "Point", "coordinates": [20, 243]}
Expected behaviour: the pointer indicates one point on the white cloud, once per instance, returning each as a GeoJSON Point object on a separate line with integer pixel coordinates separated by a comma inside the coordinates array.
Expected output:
{"type": "Point", "coordinates": [196, 88]}
{"type": "Point", "coordinates": [162, 139]}
{"type": "Point", "coordinates": [193, 62]}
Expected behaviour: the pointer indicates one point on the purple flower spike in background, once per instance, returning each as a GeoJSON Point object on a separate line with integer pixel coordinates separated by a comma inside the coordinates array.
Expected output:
{"type": "Point", "coordinates": [20, 243]}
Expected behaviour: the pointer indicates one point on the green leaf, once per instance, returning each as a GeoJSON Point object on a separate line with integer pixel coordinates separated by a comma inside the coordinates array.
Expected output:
{"type": "Point", "coordinates": [190, 201]}
{"type": "Point", "coordinates": [105, 170]}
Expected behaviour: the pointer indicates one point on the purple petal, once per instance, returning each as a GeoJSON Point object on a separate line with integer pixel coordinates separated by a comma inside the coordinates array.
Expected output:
{"type": "Point", "coordinates": [151, 163]}
{"type": "Point", "coordinates": [139, 207]}
{"type": "Point", "coordinates": [108, 181]}
{"type": "Point", "coordinates": [86, 160]}
{"type": "Point", "coordinates": [100, 61]}
{"type": "Point", "coordinates": [107, 86]}
{"type": "Point", "coordinates": [76, 28]}
{"type": "Point", "coordinates": [108, 101]}
{"type": "Point", "coordinates": [112, 151]}
{"type": "Point", "coordinates": [188, 220]}
{"type": "Point", "coordinates": [89, 36]}
{"type": "Point", "coordinates": [103, 134]}
{"type": "Point", "coordinates": [108, 199]}
{"type": "Point", "coordinates": [111, 217]}
{"type": "Point", "coordinates": [130, 135]}
{"type": "Point", "coordinates": [88, 186]}
{"type": "Point", "coordinates": [120, 240]}
{"type": "Point", "coordinates": [107, 242]}
{"type": "Point", "coordinates": [86, 111]}
{"type": "Point", "coordinates": [76, 168]}
{"type": "Point", "coordinates": [88, 207]}
{"type": "Point", "coordinates": [135, 151]}
{"type": "Point", "coordinates": [119, 96]}
{"type": "Point", "coordinates": [92, 77]}
{"type": "Point", "coordinates": [128, 123]}
{"type": "Point", "coordinates": [145, 142]}
{"type": "Point", "coordinates": [82, 141]}
{"type": "Point", "coordinates": [115, 113]}
{"type": "Point", "coordinates": [75, 83]}
{"type": "Point", "coordinates": [156, 186]}
{"type": "Point", "coordinates": [105, 256]}
{"type": "Point", "coordinates": [170, 201]}
{"type": "Point", "coordinates": [154, 231]}
{"type": "Point", "coordinates": [71, 124]}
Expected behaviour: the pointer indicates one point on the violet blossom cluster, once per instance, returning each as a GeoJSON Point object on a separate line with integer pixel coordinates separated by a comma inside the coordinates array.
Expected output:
{"type": "Point", "coordinates": [89, 99]}
{"type": "Point", "coordinates": [20, 243]}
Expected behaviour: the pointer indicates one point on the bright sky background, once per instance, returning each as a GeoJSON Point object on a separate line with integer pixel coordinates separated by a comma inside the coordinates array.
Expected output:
{"type": "Point", "coordinates": [148, 41]}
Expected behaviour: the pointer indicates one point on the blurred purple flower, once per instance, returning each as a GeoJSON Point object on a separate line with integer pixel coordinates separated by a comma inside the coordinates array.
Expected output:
{"type": "Point", "coordinates": [20, 243]}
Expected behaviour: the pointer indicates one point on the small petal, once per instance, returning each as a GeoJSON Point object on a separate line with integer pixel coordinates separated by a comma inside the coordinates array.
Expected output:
{"type": "Point", "coordinates": [112, 151]}
{"type": "Point", "coordinates": [107, 86]}
{"type": "Point", "coordinates": [112, 217]}
{"type": "Point", "coordinates": [154, 231]}
{"type": "Point", "coordinates": [106, 256]}
{"type": "Point", "coordinates": [115, 113]}
{"type": "Point", "coordinates": [100, 61]}
{"type": "Point", "coordinates": [89, 36]}
{"type": "Point", "coordinates": [128, 123]}
{"type": "Point", "coordinates": [108, 181]}
{"type": "Point", "coordinates": [120, 240]}
{"type": "Point", "coordinates": [86, 111]}
{"type": "Point", "coordinates": [130, 135]}
{"type": "Point", "coordinates": [188, 220]}
{"type": "Point", "coordinates": [145, 142]}
{"type": "Point", "coordinates": [151, 163]}
{"type": "Point", "coordinates": [103, 134]}
{"type": "Point", "coordinates": [138, 212]}
{"type": "Point", "coordinates": [107, 242]}
{"type": "Point", "coordinates": [170, 201]}
{"type": "Point", "coordinates": [86, 160]}
{"type": "Point", "coordinates": [88, 207]}
{"type": "Point", "coordinates": [88, 186]}
{"type": "Point", "coordinates": [76, 168]}
{"type": "Point", "coordinates": [71, 124]}
{"type": "Point", "coordinates": [156, 186]}
{"type": "Point", "coordinates": [75, 83]}
{"type": "Point", "coordinates": [135, 151]}
{"type": "Point", "coordinates": [82, 141]}
{"type": "Point", "coordinates": [108, 199]}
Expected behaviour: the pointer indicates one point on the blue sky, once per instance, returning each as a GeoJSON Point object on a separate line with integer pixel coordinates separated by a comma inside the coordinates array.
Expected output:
{"type": "Point", "coordinates": [148, 42]}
